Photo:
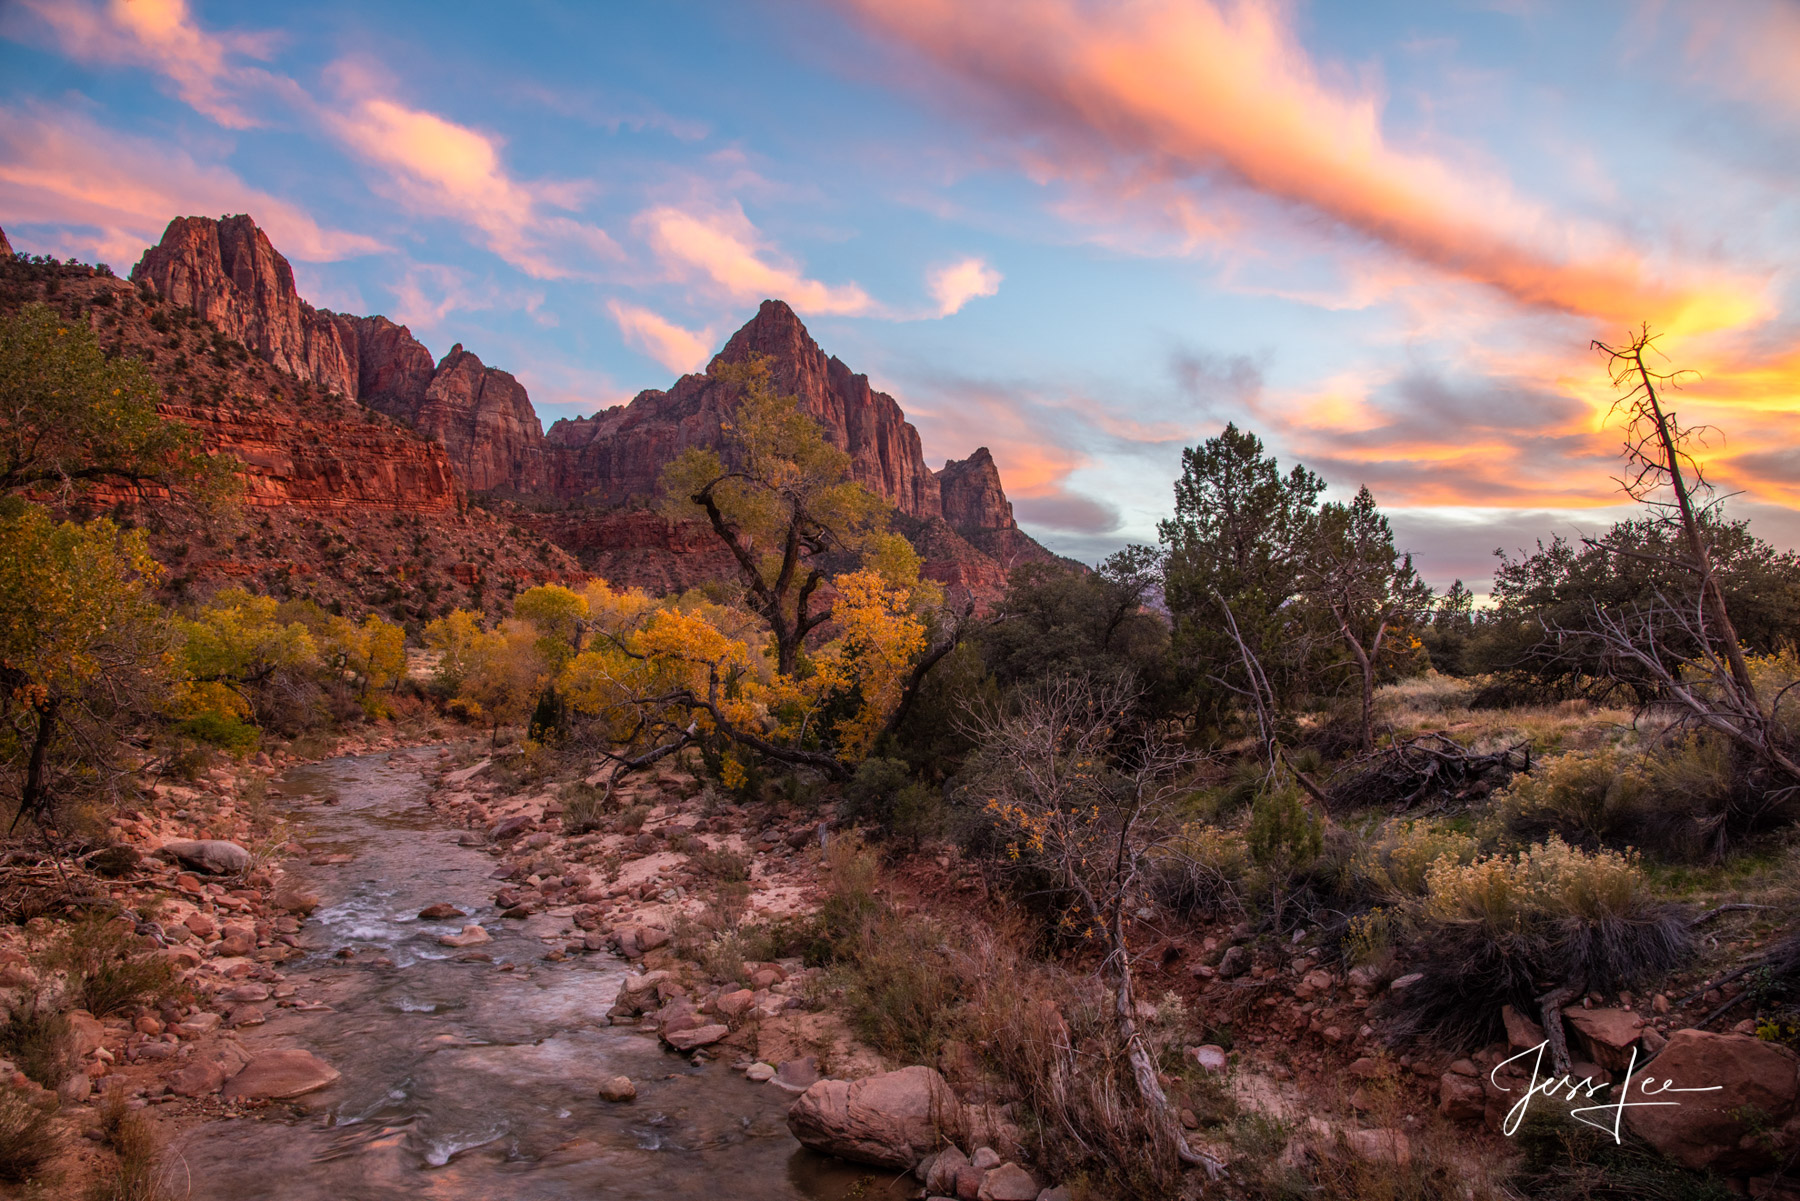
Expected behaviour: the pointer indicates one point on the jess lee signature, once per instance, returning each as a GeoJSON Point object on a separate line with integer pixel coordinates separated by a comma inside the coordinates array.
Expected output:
{"type": "Point", "coordinates": [1571, 1089]}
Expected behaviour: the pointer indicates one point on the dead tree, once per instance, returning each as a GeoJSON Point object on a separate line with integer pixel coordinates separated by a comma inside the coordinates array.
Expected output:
{"type": "Point", "coordinates": [1716, 691]}
{"type": "Point", "coordinates": [1090, 803]}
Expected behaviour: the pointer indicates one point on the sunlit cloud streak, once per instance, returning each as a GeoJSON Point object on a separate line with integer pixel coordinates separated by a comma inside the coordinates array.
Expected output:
{"type": "Point", "coordinates": [725, 254]}
{"type": "Point", "coordinates": [956, 284]}
{"type": "Point", "coordinates": [162, 36]}
{"type": "Point", "coordinates": [1172, 89]}
{"type": "Point", "coordinates": [674, 346]}
{"type": "Point", "coordinates": [438, 167]}
{"type": "Point", "coordinates": [113, 194]}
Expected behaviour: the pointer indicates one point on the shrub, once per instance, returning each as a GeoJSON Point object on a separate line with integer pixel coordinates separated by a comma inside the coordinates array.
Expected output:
{"type": "Point", "coordinates": [632, 820]}
{"type": "Point", "coordinates": [1201, 873]}
{"type": "Point", "coordinates": [109, 967]}
{"type": "Point", "coordinates": [884, 794]}
{"type": "Point", "coordinates": [1584, 796]}
{"type": "Point", "coordinates": [28, 1136]}
{"type": "Point", "coordinates": [1285, 840]}
{"type": "Point", "coordinates": [37, 1038]}
{"type": "Point", "coordinates": [1488, 932]}
{"type": "Point", "coordinates": [226, 731]}
{"type": "Point", "coordinates": [136, 1173]}
{"type": "Point", "coordinates": [582, 809]}
{"type": "Point", "coordinates": [723, 864]}
{"type": "Point", "coordinates": [1392, 866]}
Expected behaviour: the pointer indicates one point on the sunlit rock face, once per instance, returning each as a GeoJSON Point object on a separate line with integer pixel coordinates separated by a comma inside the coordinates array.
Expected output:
{"type": "Point", "coordinates": [592, 467]}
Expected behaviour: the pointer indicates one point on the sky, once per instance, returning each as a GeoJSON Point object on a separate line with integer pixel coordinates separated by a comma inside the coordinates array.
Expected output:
{"type": "Point", "coordinates": [1085, 235]}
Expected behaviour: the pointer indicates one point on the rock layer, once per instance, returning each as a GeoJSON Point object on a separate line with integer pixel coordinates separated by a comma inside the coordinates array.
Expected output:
{"type": "Point", "coordinates": [596, 467]}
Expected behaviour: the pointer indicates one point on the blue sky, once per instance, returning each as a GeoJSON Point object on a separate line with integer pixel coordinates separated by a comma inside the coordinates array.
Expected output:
{"type": "Point", "coordinates": [1085, 235]}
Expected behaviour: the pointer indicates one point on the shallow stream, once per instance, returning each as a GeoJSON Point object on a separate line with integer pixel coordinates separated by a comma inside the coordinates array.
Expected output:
{"type": "Point", "coordinates": [467, 1079]}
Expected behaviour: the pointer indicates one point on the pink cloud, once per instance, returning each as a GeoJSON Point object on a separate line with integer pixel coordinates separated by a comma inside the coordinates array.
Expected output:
{"type": "Point", "coordinates": [675, 347]}
{"type": "Point", "coordinates": [1165, 91]}
{"type": "Point", "coordinates": [111, 195]}
{"type": "Point", "coordinates": [956, 284]}
{"type": "Point", "coordinates": [728, 256]}
{"type": "Point", "coordinates": [161, 36]}
{"type": "Point", "coordinates": [437, 167]}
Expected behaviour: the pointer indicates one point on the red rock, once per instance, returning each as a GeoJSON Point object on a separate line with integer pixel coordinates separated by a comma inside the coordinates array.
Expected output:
{"type": "Point", "coordinates": [698, 1036]}
{"type": "Point", "coordinates": [891, 1120]}
{"type": "Point", "coordinates": [1712, 1130]}
{"type": "Point", "coordinates": [1607, 1035]}
{"type": "Point", "coordinates": [278, 1075]}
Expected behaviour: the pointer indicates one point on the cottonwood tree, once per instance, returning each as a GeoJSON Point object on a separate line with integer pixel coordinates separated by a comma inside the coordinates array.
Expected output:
{"type": "Point", "coordinates": [1079, 798]}
{"type": "Point", "coordinates": [84, 653]}
{"type": "Point", "coordinates": [1368, 591]}
{"type": "Point", "coordinates": [781, 499]}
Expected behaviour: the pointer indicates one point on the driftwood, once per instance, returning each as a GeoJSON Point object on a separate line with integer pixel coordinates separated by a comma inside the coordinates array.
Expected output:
{"type": "Point", "coordinates": [1430, 770]}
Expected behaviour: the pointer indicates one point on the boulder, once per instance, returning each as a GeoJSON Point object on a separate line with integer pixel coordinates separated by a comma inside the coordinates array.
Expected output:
{"type": "Point", "coordinates": [1209, 1058]}
{"type": "Point", "coordinates": [1380, 1146]}
{"type": "Point", "coordinates": [510, 827]}
{"type": "Point", "coordinates": [1522, 1033]}
{"type": "Point", "coordinates": [797, 1075]}
{"type": "Point", "coordinates": [440, 912]}
{"type": "Point", "coordinates": [941, 1170]}
{"type": "Point", "coordinates": [760, 1073]}
{"type": "Point", "coordinates": [199, 1078]}
{"type": "Point", "coordinates": [214, 856]}
{"type": "Point", "coordinates": [618, 1088]}
{"type": "Point", "coordinates": [1008, 1182]}
{"type": "Point", "coordinates": [201, 925]}
{"type": "Point", "coordinates": [889, 1121]}
{"type": "Point", "coordinates": [1235, 963]}
{"type": "Point", "coordinates": [699, 1036]}
{"type": "Point", "coordinates": [1758, 1086]}
{"type": "Point", "coordinates": [470, 936]}
{"type": "Point", "coordinates": [296, 900]}
{"type": "Point", "coordinates": [733, 1005]}
{"type": "Point", "coordinates": [1607, 1035]}
{"type": "Point", "coordinates": [278, 1075]}
{"type": "Point", "coordinates": [86, 1032]}
{"type": "Point", "coordinates": [1461, 1098]}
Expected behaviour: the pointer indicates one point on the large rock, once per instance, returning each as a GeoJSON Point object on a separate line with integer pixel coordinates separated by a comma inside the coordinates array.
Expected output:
{"type": "Point", "coordinates": [1607, 1035]}
{"type": "Point", "coordinates": [890, 1120]}
{"type": "Point", "coordinates": [214, 856]}
{"type": "Point", "coordinates": [1008, 1182]}
{"type": "Point", "coordinates": [278, 1075]}
{"type": "Point", "coordinates": [698, 1036]}
{"type": "Point", "coordinates": [1758, 1088]}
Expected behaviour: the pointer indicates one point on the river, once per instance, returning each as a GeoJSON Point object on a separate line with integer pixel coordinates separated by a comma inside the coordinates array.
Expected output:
{"type": "Point", "coordinates": [470, 1079]}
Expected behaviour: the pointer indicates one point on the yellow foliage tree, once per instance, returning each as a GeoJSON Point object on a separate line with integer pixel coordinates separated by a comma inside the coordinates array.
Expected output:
{"type": "Point", "coordinates": [83, 650]}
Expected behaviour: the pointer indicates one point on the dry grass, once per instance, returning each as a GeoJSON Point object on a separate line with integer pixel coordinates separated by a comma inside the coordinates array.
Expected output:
{"type": "Point", "coordinates": [137, 1172]}
{"type": "Point", "coordinates": [28, 1138]}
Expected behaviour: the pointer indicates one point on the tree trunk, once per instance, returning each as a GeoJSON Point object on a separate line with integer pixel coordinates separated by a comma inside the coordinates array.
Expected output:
{"type": "Point", "coordinates": [1143, 1069]}
{"type": "Point", "coordinates": [1712, 595]}
{"type": "Point", "coordinates": [1367, 666]}
{"type": "Point", "coordinates": [33, 797]}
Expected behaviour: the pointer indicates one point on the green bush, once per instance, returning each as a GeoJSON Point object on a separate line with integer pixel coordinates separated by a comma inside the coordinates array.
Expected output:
{"type": "Point", "coordinates": [582, 809]}
{"type": "Point", "coordinates": [226, 731]}
{"type": "Point", "coordinates": [883, 794]}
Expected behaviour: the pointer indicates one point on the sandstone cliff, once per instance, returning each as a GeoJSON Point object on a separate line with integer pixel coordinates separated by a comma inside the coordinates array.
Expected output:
{"type": "Point", "coordinates": [229, 273]}
{"type": "Point", "coordinates": [340, 504]}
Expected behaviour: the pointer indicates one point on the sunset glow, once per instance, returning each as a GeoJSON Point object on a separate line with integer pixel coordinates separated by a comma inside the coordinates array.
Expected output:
{"type": "Point", "coordinates": [1083, 234]}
